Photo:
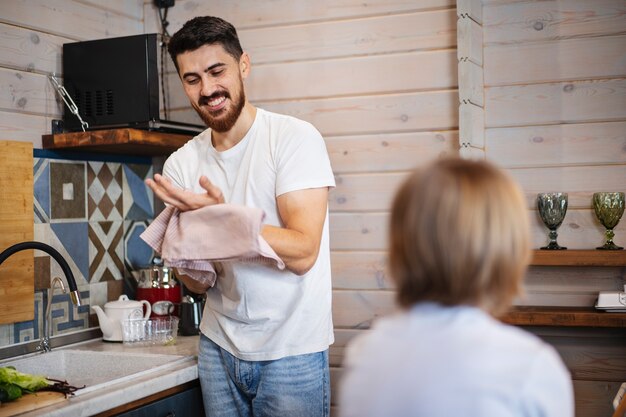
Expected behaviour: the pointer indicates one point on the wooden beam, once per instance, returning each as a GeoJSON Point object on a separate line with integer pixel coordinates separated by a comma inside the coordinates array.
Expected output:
{"type": "Point", "coordinates": [126, 141]}
{"type": "Point", "coordinates": [470, 41]}
{"type": "Point", "coordinates": [472, 9]}
{"type": "Point", "coordinates": [563, 316]}
{"type": "Point", "coordinates": [471, 125]}
{"type": "Point", "coordinates": [471, 88]}
{"type": "Point", "coordinates": [579, 258]}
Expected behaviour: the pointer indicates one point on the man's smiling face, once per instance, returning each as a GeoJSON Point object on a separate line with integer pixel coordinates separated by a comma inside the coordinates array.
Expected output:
{"type": "Point", "coordinates": [213, 81]}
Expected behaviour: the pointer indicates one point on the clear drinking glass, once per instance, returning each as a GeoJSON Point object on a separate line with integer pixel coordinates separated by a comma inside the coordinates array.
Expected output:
{"type": "Point", "coordinates": [609, 208]}
{"type": "Point", "coordinates": [552, 208]}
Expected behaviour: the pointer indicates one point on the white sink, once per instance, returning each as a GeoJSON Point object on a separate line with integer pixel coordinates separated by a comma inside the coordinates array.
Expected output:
{"type": "Point", "coordinates": [92, 368]}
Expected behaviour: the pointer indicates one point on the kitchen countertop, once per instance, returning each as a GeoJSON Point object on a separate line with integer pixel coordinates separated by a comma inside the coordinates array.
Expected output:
{"type": "Point", "coordinates": [124, 392]}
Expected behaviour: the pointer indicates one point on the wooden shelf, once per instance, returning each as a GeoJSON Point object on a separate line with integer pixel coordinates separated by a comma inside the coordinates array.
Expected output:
{"type": "Point", "coordinates": [574, 257]}
{"type": "Point", "coordinates": [563, 316]}
{"type": "Point", "coordinates": [118, 141]}
{"type": "Point", "coordinates": [570, 316]}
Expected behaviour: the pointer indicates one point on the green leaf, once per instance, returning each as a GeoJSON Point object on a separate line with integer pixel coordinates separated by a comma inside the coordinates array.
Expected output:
{"type": "Point", "coordinates": [9, 375]}
{"type": "Point", "coordinates": [9, 392]}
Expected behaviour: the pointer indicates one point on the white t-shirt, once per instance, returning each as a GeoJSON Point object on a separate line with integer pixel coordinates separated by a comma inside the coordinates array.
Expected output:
{"type": "Point", "coordinates": [254, 311]}
{"type": "Point", "coordinates": [434, 361]}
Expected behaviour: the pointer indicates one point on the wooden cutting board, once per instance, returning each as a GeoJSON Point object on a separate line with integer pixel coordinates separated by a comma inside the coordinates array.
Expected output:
{"type": "Point", "coordinates": [30, 402]}
{"type": "Point", "coordinates": [17, 276]}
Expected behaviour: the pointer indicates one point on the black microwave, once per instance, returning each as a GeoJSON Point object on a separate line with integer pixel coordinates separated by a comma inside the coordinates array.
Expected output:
{"type": "Point", "coordinates": [115, 83]}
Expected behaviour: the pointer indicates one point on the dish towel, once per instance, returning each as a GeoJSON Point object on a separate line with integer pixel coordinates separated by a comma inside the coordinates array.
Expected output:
{"type": "Point", "coordinates": [193, 240]}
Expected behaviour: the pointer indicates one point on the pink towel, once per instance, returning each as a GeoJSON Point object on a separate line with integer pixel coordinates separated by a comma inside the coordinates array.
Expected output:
{"type": "Point", "coordinates": [193, 240]}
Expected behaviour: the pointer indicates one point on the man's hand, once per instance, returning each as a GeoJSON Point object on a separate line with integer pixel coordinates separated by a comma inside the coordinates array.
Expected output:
{"type": "Point", "coordinates": [185, 200]}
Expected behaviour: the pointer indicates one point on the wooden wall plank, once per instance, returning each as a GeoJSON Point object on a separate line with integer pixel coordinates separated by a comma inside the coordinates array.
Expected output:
{"type": "Point", "coordinates": [580, 182]}
{"type": "Point", "coordinates": [22, 127]}
{"type": "Point", "coordinates": [580, 230]}
{"type": "Point", "coordinates": [558, 145]}
{"type": "Point", "coordinates": [73, 19]}
{"type": "Point", "coordinates": [391, 113]}
{"type": "Point", "coordinates": [562, 102]}
{"type": "Point", "coordinates": [552, 19]}
{"type": "Point", "coordinates": [177, 100]}
{"type": "Point", "coordinates": [364, 192]}
{"type": "Point", "coordinates": [567, 286]}
{"type": "Point", "coordinates": [388, 152]}
{"type": "Point", "coordinates": [367, 271]}
{"type": "Point", "coordinates": [584, 280]}
{"type": "Point", "coordinates": [309, 79]}
{"type": "Point", "coordinates": [263, 14]}
{"type": "Point", "coordinates": [368, 75]}
{"type": "Point", "coordinates": [568, 59]}
{"type": "Point", "coordinates": [597, 359]}
{"type": "Point", "coordinates": [344, 336]}
{"type": "Point", "coordinates": [28, 50]}
{"type": "Point", "coordinates": [28, 93]}
{"type": "Point", "coordinates": [358, 231]}
{"type": "Point", "coordinates": [151, 21]}
{"type": "Point", "coordinates": [368, 231]}
{"type": "Point", "coordinates": [128, 8]}
{"type": "Point", "coordinates": [561, 298]}
{"type": "Point", "coordinates": [594, 398]}
{"type": "Point", "coordinates": [360, 270]}
{"type": "Point", "coordinates": [357, 309]}
{"type": "Point", "coordinates": [382, 34]}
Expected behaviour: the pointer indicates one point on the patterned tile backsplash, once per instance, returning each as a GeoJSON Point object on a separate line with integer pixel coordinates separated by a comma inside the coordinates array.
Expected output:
{"type": "Point", "coordinates": [92, 210]}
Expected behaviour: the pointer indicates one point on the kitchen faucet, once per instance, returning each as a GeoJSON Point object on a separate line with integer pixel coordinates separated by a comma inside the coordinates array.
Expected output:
{"type": "Point", "coordinates": [74, 294]}
{"type": "Point", "coordinates": [44, 344]}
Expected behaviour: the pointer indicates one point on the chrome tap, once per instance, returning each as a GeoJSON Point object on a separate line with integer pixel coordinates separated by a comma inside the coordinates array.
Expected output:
{"type": "Point", "coordinates": [71, 282]}
{"type": "Point", "coordinates": [44, 344]}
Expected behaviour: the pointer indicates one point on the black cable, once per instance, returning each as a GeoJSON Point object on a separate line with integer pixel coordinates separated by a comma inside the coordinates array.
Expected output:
{"type": "Point", "coordinates": [164, 39]}
{"type": "Point", "coordinates": [164, 22]}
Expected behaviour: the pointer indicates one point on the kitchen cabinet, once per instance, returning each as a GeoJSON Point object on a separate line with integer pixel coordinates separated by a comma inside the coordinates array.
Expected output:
{"type": "Point", "coordinates": [184, 400]}
{"type": "Point", "coordinates": [118, 141]}
{"type": "Point", "coordinates": [570, 316]}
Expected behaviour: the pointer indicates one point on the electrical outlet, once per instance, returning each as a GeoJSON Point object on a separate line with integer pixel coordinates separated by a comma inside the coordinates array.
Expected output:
{"type": "Point", "coordinates": [164, 3]}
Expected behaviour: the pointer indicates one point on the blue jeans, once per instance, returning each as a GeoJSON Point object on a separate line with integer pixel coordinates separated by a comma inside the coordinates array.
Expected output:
{"type": "Point", "coordinates": [295, 386]}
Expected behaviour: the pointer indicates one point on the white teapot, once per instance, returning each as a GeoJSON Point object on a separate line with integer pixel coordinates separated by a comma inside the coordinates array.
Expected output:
{"type": "Point", "coordinates": [115, 312]}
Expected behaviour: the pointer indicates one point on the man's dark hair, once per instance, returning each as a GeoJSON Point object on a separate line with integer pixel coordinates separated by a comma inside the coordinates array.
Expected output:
{"type": "Point", "coordinates": [205, 30]}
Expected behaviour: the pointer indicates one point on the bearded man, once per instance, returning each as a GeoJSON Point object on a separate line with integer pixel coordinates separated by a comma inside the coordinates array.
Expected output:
{"type": "Point", "coordinates": [265, 332]}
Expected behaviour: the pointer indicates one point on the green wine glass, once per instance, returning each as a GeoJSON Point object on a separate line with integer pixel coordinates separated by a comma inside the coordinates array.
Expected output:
{"type": "Point", "coordinates": [609, 208]}
{"type": "Point", "coordinates": [552, 208]}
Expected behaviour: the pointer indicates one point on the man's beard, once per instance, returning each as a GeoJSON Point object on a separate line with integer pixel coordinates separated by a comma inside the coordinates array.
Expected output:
{"type": "Point", "coordinates": [224, 122]}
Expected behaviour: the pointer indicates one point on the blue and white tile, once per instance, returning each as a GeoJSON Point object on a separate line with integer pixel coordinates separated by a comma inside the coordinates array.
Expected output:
{"type": "Point", "coordinates": [138, 198]}
{"type": "Point", "coordinates": [31, 330]}
{"type": "Point", "coordinates": [98, 293]}
{"type": "Point", "coordinates": [68, 191]}
{"type": "Point", "coordinates": [137, 253]}
{"type": "Point", "coordinates": [6, 334]}
{"type": "Point", "coordinates": [74, 248]}
{"type": "Point", "coordinates": [106, 251]}
{"type": "Point", "coordinates": [104, 189]}
{"type": "Point", "coordinates": [65, 316]}
{"type": "Point", "coordinates": [41, 188]}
